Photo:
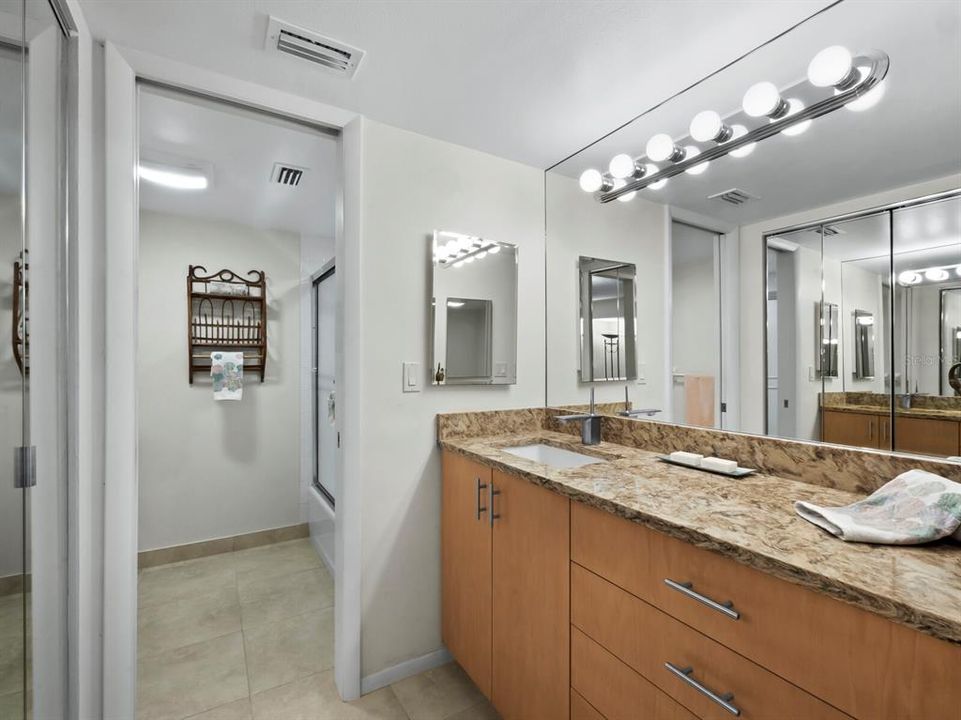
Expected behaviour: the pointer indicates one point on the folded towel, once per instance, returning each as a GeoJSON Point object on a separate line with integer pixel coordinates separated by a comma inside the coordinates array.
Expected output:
{"type": "Point", "coordinates": [227, 370]}
{"type": "Point", "coordinates": [916, 507]}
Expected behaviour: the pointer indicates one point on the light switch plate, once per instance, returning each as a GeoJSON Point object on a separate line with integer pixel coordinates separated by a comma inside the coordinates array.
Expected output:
{"type": "Point", "coordinates": [411, 378]}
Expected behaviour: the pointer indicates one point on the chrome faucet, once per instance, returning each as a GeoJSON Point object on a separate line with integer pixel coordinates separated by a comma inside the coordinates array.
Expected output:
{"type": "Point", "coordinates": [629, 413]}
{"type": "Point", "coordinates": [590, 424]}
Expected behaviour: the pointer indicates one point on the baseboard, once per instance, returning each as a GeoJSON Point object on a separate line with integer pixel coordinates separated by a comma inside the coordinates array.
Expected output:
{"type": "Point", "coordinates": [192, 551]}
{"type": "Point", "coordinates": [414, 666]}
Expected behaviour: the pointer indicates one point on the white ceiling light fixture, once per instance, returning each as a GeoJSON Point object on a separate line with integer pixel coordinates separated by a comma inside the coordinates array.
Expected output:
{"type": "Point", "coordinates": [626, 197]}
{"type": "Point", "coordinates": [936, 274]}
{"type": "Point", "coordinates": [766, 111]}
{"type": "Point", "coordinates": [909, 277]}
{"type": "Point", "coordinates": [174, 178]}
{"type": "Point", "coordinates": [455, 303]}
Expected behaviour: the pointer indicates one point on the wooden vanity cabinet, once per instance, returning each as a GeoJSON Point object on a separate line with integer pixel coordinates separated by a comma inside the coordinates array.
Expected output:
{"type": "Point", "coordinates": [926, 435]}
{"type": "Point", "coordinates": [855, 429]}
{"type": "Point", "coordinates": [505, 555]}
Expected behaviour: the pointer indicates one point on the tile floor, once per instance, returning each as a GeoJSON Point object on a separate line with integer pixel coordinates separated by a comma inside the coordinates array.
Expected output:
{"type": "Point", "coordinates": [11, 655]}
{"type": "Point", "coordinates": [250, 635]}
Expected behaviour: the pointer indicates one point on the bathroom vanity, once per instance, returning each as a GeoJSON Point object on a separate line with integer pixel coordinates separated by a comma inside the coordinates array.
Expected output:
{"type": "Point", "coordinates": [633, 588]}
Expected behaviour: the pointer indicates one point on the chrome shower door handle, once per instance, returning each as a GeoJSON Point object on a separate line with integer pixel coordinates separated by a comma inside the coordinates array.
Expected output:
{"type": "Point", "coordinates": [685, 674]}
{"type": "Point", "coordinates": [480, 508]}
{"type": "Point", "coordinates": [491, 514]}
{"type": "Point", "coordinates": [687, 588]}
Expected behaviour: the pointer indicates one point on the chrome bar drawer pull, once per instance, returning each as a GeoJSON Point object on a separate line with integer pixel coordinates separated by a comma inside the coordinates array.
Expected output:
{"type": "Point", "coordinates": [685, 674]}
{"type": "Point", "coordinates": [493, 515]}
{"type": "Point", "coordinates": [686, 588]}
{"type": "Point", "coordinates": [480, 508]}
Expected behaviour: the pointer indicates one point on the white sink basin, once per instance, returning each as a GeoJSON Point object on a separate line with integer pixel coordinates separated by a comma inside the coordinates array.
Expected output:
{"type": "Point", "coordinates": [555, 457]}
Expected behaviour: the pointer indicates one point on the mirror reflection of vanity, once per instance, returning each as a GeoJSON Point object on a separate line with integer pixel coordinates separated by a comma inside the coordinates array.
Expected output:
{"type": "Point", "coordinates": [473, 310]}
{"type": "Point", "coordinates": [795, 278]}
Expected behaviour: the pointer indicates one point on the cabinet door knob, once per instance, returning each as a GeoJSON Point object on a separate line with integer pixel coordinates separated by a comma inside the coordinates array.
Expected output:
{"type": "Point", "coordinates": [686, 673]}
{"type": "Point", "coordinates": [686, 588]}
{"type": "Point", "coordinates": [493, 515]}
{"type": "Point", "coordinates": [480, 508]}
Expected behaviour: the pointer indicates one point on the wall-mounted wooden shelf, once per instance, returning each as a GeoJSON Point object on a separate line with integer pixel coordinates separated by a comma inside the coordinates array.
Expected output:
{"type": "Point", "coordinates": [226, 312]}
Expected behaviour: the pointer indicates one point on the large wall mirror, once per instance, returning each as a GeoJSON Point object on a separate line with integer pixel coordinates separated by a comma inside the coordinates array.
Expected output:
{"type": "Point", "coordinates": [473, 310]}
{"type": "Point", "coordinates": [795, 225]}
{"type": "Point", "coordinates": [606, 324]}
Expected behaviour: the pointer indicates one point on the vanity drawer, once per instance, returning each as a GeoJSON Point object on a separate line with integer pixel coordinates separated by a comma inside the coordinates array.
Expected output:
{"type": "Point", "coordinates": [647, 639]}
{"type": "Point", "coordinates": [612, 690]}
{"type": "Point", "coordinates": [855, 660]}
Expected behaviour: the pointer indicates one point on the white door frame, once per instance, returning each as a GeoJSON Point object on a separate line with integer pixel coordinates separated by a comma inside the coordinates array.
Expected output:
{"type": "Point", "coordinates": [123, 68]}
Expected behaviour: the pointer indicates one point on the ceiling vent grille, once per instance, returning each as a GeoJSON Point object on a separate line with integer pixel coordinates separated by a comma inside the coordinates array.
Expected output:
{"type": "Point", "coordinates": [734, 196]}
{"type": "Point", "coordinates": [333, 55]}
{"type": "Point", "coordinates": [831, 230]}
{"type": "Point", "coordinates": [289, 175]}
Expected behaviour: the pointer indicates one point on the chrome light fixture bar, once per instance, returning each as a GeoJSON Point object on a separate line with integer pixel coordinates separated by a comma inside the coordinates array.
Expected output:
{"type": "Point", "coordinates": [848, 79]}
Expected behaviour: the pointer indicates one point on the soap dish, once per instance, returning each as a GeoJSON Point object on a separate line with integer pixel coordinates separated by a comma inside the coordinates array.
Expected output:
{"type": "Point", "coordinates": [739, 473]}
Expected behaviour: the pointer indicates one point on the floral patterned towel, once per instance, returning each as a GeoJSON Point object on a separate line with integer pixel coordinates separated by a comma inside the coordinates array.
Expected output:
{"type": "Point", "coordinates": [227, 370]}
{"type": "Point", "coordinates": [916, 507]}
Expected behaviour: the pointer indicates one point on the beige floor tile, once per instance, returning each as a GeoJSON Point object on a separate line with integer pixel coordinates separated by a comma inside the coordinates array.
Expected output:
{"type": "Point", "coordinates": [287, 650]}
{"type": "Point", "coordinates": [315, 698]}
{"type": "Point", "coordinates": [11, 616]}
{"type": "Point", "coordinates": [239, 710]}
{"type": "Point", "coordinates": [11, 665]}
{"type": "Point", "coordinates": [187, 621]}
{"type": "Point", "coordinates": [268, 599]}
{"type": "Point", "coordinates": [437, 694]}
{"type": "Point", "coordinates": [183, 682]}
{"type": "Point", "coordinates": [185, 579]}
{"type": "Point", "coordinates": [482, 711]}
{"type": "Point", "coordinates": [278, 559]}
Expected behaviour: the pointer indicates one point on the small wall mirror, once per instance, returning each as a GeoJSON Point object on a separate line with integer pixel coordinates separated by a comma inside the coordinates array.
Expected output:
{"type": "Point", "coordinates": [607, 331]}
{"type": "Point", "coordinates": [473, 310]}
{"type": "Point", "coordinates": [863, 345]}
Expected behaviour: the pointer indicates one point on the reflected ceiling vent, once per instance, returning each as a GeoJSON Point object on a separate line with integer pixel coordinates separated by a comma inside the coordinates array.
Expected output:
{"type": "Point", "coordinates": [734, 196]}
{"type": "Point", "coordinates": [332, 55]}
{"type": "Point", "coordinates": [830, 230]}
{"type": "Point", "coordinates": [289, 175]}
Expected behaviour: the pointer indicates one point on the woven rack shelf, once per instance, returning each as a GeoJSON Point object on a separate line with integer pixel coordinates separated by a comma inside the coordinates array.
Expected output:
{"type": "Point", "coordinates": [226, 311]}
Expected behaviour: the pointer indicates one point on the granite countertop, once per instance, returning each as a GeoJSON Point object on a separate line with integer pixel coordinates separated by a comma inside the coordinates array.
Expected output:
{"type": "Point", "coordinates": [751, 520]}
{"type": "Point", "coordinates": [918, 412]}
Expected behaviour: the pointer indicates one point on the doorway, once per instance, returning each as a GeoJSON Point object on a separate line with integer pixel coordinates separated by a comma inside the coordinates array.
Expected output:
{"type": "Point", "coordinates": [325, 437]}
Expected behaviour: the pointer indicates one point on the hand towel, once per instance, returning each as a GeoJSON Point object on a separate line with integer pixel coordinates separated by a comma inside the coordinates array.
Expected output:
{"type": "Point", "coordinates": [916, 507]}
{"type": "Point", "coordinates": [227, 370]}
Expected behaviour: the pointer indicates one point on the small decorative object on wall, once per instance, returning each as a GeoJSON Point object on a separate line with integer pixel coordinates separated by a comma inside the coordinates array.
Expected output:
{"type": "Point", "coordinates": [20, 334]}
{"type": "Point", "coordinates": [226, 312]}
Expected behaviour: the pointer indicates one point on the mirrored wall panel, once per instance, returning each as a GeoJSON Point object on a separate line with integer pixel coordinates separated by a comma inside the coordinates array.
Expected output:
{"type": "Point", "coordinates": [794, 222]}
{"type": "Point", "coordinates": [606, 326]}
{"type": "Point", "coordinates": [473, 310]}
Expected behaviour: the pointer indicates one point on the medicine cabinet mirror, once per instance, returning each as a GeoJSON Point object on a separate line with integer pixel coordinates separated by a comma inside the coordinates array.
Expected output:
{"type": "Point", "coordinates": [797, 264]}
{"type": "Point", "coordinates": [473, 310]}
{"type": "Point", "coordinates": [608, 334]}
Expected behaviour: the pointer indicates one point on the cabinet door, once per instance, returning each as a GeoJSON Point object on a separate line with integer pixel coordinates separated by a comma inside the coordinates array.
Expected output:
{"type": "Point", "coordinates": [847, 428]}
{"type": "Point", "coordinates": [924, 435]}
{"type": "Point", "coordinates": [531, 631]}
{"type": "Point", "coordinates": [466, 566]}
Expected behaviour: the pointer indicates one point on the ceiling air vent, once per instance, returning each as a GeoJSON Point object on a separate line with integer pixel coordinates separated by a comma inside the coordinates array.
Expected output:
{"type": "Point", "coordinates": [289, 175]}
{"type": "Point", "coordinates": [333, 55]}
{"type": "Point", "coordinates": [831, 230]}
{"type": "Point", "coordinates": [734, 196]}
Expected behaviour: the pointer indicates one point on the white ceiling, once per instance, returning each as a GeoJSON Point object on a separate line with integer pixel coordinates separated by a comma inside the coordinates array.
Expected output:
{"type": "Point", "coordinates": [532, 81]}
{"type": "Point", "coordinates": [912, 135]}
{"type": "Point", "coordinates": [238, 150]}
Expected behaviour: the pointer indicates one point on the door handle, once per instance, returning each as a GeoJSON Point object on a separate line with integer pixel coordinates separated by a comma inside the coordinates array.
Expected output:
{"type": "Point", "coordinates": [480, 508]}
{"type": "Point", "coordinates": [686, 674]}
{"type": "Point", "coordinates": [491, 514]}
{"type": "Point", "coordinates": [686, 588]}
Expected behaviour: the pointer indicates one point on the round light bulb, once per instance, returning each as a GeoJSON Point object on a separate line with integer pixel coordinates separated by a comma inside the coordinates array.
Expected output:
{"type": "Point", "coordinates": [909, 277]}
{"type": "Point", "coordinates": [691, 152]}
{"type": "Point", "coordinates": [591, 180]}
{"type": "Point", "coordinates": [736, 132]}
{"type": "Point", "coordinates": [650, 169]}
{"type": "Point", "coordinates": [459, 264]}
{"type": "Point", "coordinates": [936, 274]}
{"type": "Point", "coordinates": [494, 249]}
{"type": "Point", "coordinates": [621, 166]}
{"type": "Point", "coordinates": [761, 99]}
{"type": "Point", "coordinates": [706, 126]}
{"type": "Point", "coordinates": [626, 197]}
{"type": "Point", "coordinates": [469, 259]}
{"type": "Point", "coordinates": [794, 107]}
{"type": "Point", "coordinates": [871, 98]}
{"type": "Point", "coordinates": [482, 254]}
{"type": "Point", "coordinates": [830, 67]}
{"type": "Point", "coordinates": [957, 271]}
{"type": "Point", "coordinates": [660, 147]}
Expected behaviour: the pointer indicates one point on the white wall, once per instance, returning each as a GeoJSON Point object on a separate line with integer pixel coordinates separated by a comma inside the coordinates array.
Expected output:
{"type": "Point", "coordinates": [411, 185]}
{"type": "Point", "coordinates": [862, 291]}
{"type": "Point", "coordinates": [633, 232]}
{"type": "Point", "coordinates": [752, 285]}
{"type": "Point", "coordinates": [214, 469]}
